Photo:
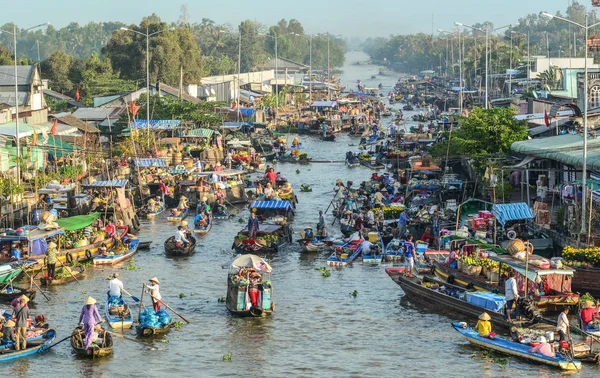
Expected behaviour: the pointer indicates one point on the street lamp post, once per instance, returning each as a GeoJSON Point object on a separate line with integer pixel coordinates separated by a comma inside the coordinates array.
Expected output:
{"type": "Point", "coordinates": [17, 128]}
{"type": "Point", "coordinates": [487, 50]}
{"type": "Point", "coordinates": [585, 27]}
{"type": "Point", "coordinates": [239, 87]}
{"type": "Point", "coordinates": [147, 35]}
{"type": "Point", "coordinates": [460, 71]}
{"type": "Point", "coordinates": [510, 65]}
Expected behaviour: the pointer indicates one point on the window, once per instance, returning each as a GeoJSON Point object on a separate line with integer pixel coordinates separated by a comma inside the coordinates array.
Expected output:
{"type": "Point", "coordinates": [594, 101]}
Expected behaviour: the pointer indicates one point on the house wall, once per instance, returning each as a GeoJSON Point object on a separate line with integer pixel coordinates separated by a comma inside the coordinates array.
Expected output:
{"type": "Point", "coordinates": [541, 64]}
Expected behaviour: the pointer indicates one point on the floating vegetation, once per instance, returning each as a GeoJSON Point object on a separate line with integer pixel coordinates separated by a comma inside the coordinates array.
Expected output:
{"type": "Point", "coordinates": [354, 293]}
{"type": "Point", "coordinates": [227, 357]}
{"type": "Point", "coordinates": [177, 325]}
{"type": "Point", "coordinates": [131, 265]}
{"type": "Point", "coordinates": [324, 271]}
{"type": "Point", "coordinates": [182, 295]}
{"type": "Point", "coordinates": [221, 300]}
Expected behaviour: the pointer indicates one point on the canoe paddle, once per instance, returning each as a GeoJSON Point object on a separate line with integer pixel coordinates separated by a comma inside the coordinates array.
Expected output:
{"type": "Point", "coordinates": [68, 270]}
{"type": "Point", "coordinates": [167, 306]}
{"type": "Point", "coordinates": [36, 285]}
{"type": "Point", "coordinates": [56, 343]}
{"type": "Point", "coordinates": [130, 339]}
{"type": "Point", "coordinates": [135, 299]}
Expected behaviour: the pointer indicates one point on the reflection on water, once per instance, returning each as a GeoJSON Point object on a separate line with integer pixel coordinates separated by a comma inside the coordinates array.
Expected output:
{"type": "Point", "coordinates": [317, 329]}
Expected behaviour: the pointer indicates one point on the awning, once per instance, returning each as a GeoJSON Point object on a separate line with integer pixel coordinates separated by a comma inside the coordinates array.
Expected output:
{"type": "Point", "coordinates": [78, 222]}
{"type": "Point", "coordinates": [201, 133]}
{"type": "Point", "coordinates": [511, 212]}
{"type": "Point", "coordinates": [155, 124]}
{"type": "Point", "coordinates": [271, 205]}
{"type": "Point", "coordinates": [567, 149]}
{"type": "Point", "coordinates": [265, 228]}
{"type": "Point", "coordinates": [107, 184]}
{"type": "Point", "coordinates": [324, 104]}
{"type": "Point", "coordinates": [154, 162]}
{"type": "Point", "coordinates": [525, 161]}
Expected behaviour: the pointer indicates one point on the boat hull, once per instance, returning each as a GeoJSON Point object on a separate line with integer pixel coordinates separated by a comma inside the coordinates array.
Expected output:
{"type": "Point", "coordinates": [103, 350]}
{"type": "Point", "coordinates": [116, 259]}
{"type": "Point", "coordinates": [180, 217]}
{"type": "Point", "coordinates": [118, 317]}
{"type": "Point", "coordinates": [78, 272]}
{"type": "Point", "coordinates": [9, 355]}
{"type": "Point", "coordinates": [171, 250]}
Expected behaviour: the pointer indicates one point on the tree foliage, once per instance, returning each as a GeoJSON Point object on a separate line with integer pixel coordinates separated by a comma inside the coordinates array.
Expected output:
{"type": "Point", "coordinates": [202, 114]}
{"type": "Point", "coordinates": [484, 134]}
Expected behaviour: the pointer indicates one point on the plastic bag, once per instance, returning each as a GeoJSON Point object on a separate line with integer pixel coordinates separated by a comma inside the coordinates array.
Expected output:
{"type": "Point", "coordinates": [163, 317]}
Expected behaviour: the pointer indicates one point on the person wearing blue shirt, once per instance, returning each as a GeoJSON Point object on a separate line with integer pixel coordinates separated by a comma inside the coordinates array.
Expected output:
{"type": "Point", "coordinates": [324, 128]}
{"type": "Point", "coordinates": [402, 223]}
{"type": "Point", "coordinates": [252, 226]}
{"type": "Point", "coordinates": [409, 256]}
{"type": "Point", "coordinates": [15, 252]}
{"type": "Point", "coordinates": [198, 221]}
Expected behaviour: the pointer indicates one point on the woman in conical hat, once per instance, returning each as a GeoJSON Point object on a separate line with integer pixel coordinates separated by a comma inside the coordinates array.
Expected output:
{"type": "Point", "coordinates": [87, 319]}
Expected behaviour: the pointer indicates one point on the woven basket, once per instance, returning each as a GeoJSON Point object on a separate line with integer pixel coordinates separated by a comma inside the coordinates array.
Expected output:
{"type": "Point", "coordinates": [473, 270]}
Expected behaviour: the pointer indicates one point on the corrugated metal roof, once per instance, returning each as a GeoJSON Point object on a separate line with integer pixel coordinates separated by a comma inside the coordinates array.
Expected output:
{"type": "Point", "coordinates": [96, 114]}
{"type": "Point", "coordinates": [8, 98]}
{"type": "Point", "coordinates": [201, 133]}
{"type": "Point", "coordinates": [108, 184]}
{"type": "Point", "coordinates": [155, 124]}
{"type": "Point", "coordinates": [511, 212]}
{"type": "Point", "coordinates": [7, 75]}
{"type": "Point", "coordinates": [271, 205]}
{"type": "Point", "coordinates": [151, 162]}
{"type": "Point", "coordinates": [71, 120]}
{"type": "Point", "coordinates": [567, 149]}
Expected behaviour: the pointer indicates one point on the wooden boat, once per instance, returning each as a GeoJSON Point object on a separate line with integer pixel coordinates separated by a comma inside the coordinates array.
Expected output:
{"type": "Point", "coordinates": [328, 138]}
{"type": "Point", "coordinates": [512, 348]}
{"type": "Point", "coordinates": [77, 270]}
{"type": "Point", "coordinates": [452, 298]}
{"type": "Point", "coordinates": [394, 251]}
{"type": "Point", "coordinates": [172, 250]}
{"type": "Point", "coordinates": [586, 280]}
{"type": "Point", "coordinates": [10, 292]}
{"type": "Point", "coordinates": [118, 258]}
{"type": "Point", "coordinates": [345, 254]}
{"type": "Point", "coordinates": [373, 165]}
{"type": "Point", "coordinates": [153, 214]}
{"type": "Point", "coordinates": [238, 300]}
{"type": "Point", "coordinates": [118, 314]}
{"type": "Point", "coordinates": [178, 217]}
{"type": "Point", "coordinates": [270, 238]}
{"type": "Point", "coordinates": [206, 229]}
{"type": "Point", "coordinates": [102, 347]}
{"type": "Point", "coordinates": [560, 282]}
{"type": "Point", "coordinates": [144, 329]}
{"type": "Point", "coordinates": [375, 256]}
{"type": "Point", "coordinates": [220, 212]}
{"type": "Point", "coordinates": [11, 270]}
{"type": "Point", "coordinates": [41, 345]}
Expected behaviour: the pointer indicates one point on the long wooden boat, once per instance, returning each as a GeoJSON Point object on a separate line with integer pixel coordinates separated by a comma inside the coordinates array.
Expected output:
{"type": "Point", "coordinates": [144, 245]}
{"type": "Point", "coordinates": [586, 280]}
{"type": "Point", "coordinates": [374, 166]}
{"type": "Point", "coordinates": [512, 348]}
{"type": "Point", "coordinates": [352, 163]}
{"type": "Point", "coordinates": [549, 302]}
{"type": "Point", "coordinates": [278, 235]}
{"type": "Point", "coordinates": [11, 270]}
{"type": "Point", "coordinates": [78, 271]}
{"type": "Point", "coordinates": [102, 347]}
{"type": "Point", "coordinates": [172, 250]}
{"type": "Point", "coordinates": [376, 254]}
{"type": "Point", "coordinates": [179, 217]}
{"type": "Point", "coordinates": [204, 230]}
{"type": "Point", "coordinates": [345, 254]}
{"type": "Point", "coordinates": [119, 258]}
{"type": "Point", "coordinates": [35, 347]}
{"type": "Point", "coordinates": [153, 214]}
{"type": "Point", "coordinates": [118, 314]}
{"type": "Point", "coordinates": [220, 212]}
{"type": "Point", "coordinates": [421, 289]}
{"type": "Point", "coordinates": [10, 292]}
{"type": "Point", "coordinates": [238, 300]}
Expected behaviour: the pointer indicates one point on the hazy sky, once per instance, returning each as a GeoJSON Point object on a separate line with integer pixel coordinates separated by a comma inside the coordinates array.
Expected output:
{"type": "Point", "coordinates": [363, 18]}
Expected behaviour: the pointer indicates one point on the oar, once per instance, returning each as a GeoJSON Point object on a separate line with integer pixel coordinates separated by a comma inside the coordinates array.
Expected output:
{"type": "Point", "coordinates": [135, 299]}
{"type": "Point", "coordinates": [167, 306]}
{"type": "Point", "coordinates": [56, 343]}
{"type": "Point", "coordinates": [36, 285]}
{"type": "Point", "coordinates": [68, 270]}
{"type": "Point", "coordinates": [130, 339]}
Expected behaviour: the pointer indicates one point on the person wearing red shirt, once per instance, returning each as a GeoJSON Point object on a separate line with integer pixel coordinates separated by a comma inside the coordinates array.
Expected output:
{"type": "Point", "coordinates": [588, 315]}
{"type": "Point", "coordinates": [272, 177]}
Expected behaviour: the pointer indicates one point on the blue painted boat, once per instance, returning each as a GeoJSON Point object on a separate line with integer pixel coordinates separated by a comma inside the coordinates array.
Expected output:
{"type": "Point", "coordinates": [178, 217]}
{"type": "Point", "coordinates": [376, 254]}
{"type": "Point", "coordinates": [119, 258]}
{"type": "Point", "coordinates": [46, 340]}
{"type": "Point", "coordinates": [345, 254]}
{"type": "Point", "coordinates": [220, 212]}
{"type": "Point", "coordinates": [204, 230]}
{"type": "Point", "coordinates": [152, 214]}
{"type": "Point", "coordinates": [118, 313]}
{"type": "Point", "coordinates": [394, 251]}
{"type": "Point", "coordinates": [515, 349]}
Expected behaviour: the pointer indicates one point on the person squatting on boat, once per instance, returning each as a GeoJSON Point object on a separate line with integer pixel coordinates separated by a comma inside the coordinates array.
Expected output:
{"type": "Point", "coordinates": [180, 237]}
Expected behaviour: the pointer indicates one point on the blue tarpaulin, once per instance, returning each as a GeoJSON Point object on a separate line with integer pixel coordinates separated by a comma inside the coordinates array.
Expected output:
{"type": "Point", "coordinates": [271, 205]}
{"type": "Point", "coordinates": [154, 162]}
{"type": "Point", "coordinates": [512, 212]}
{"type": "Point", "coordinates": [155, 124]}
{"type": "Point", "coordinates": [324, 104]}
{"type": "Point", "coordinates": [491, 301]}
{"type": "Point", "coordinates": [247, 112]}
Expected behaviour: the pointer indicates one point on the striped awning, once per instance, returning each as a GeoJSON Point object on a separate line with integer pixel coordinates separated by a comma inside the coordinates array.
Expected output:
{"type": "Point", "coordinates": [176, 171]}
{"type": "Point", "coordinates": [153, 162]}
{"type": "Point", "coordinates": [201, 133]}
{"type": "Point", "coordinates": [271, 205]}
{"type": "Point", "coordinates": [107, 184]}
{"type": "Point", "coordinates": [160, 124]}
{"type": "Point", "coordinates": [511, 212]}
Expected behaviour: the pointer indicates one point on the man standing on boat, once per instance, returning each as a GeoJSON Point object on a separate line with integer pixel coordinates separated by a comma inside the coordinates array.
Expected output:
{"type": "Point", "coordinates": [21, 313]}
{"type": "Point", "coordinates": [51, 259]}
{"type": "Point", "coordinates": [321, 232]}
{"type": "Point", "coordinates": [115, 286]}
{"type": "Point", "coordinates": [511, 294]}
{"type": "Point", "coordinates": [402, 223]}
{"type": "Point", "coordinates": [252, 225]}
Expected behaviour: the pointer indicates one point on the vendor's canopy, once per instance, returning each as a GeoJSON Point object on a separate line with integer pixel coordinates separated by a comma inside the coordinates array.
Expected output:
{"type": "Point", "coordinates": [34, 234]}
{"type": "Point", "coordinates": [271, 205]}
{"type": "Point", "coordinates": [107, 184]}
{"type": "Point", "coordinates": [239, 142]}
{"type": "Point", "coordinates": [249, 261]}
{"type": "Point", "coordinates": [201, 133]}
{"type": "Point", "coordinates": [265, 228]}
{"type": "Point", "coordinates": [78, 222]}
{"type": "Point", "coordinates": [155, 124]}
{"type": "Point", "coordinates": [324, 104]}
{"type": "Point", "coordinates": [511, 212]}
{"type": "Point", "coordinates": [152, 162]}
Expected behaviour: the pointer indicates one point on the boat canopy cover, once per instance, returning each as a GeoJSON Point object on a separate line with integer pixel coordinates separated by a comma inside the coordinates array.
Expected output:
{"type": "Point", "coordinates": [153, 162]}
{"type": "Point", "coordinates": [324, 104]}
{"type": "Point", "coordinates": [512, 211]}
{"type": "Point", "coordinates": [202, 133]}
{"type": "Point", "coordinates": [34, 234]}
{"type": "Point", "coordinates": [107, 184]}
{"type": "Point", "coordinates": [271, 205]}
{"type": "Point", "coordinates": [249, 261]}
{"type": "Point", "coordinates": [265, 228]}
{"type": "Point", "coordinates": [78, 222]}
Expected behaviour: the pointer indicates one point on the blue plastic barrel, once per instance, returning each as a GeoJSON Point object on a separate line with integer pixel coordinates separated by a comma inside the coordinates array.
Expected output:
{"type": "Point", "coordinates": [36, 216]}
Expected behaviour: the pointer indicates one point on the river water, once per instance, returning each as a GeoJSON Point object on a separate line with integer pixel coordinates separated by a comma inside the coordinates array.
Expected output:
{"type": "Point", "coordinates": [317, 329]}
